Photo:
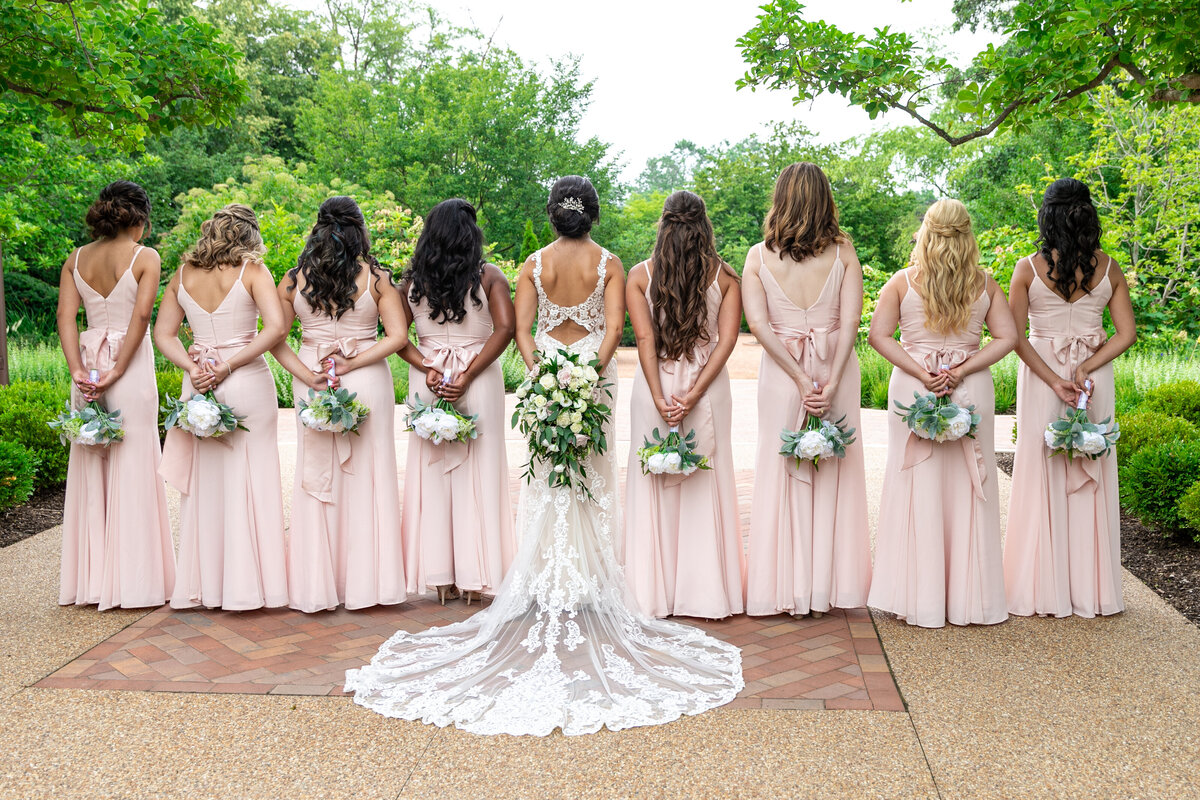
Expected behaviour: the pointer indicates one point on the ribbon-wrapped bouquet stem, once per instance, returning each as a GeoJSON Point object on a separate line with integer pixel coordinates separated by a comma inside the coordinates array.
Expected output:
{"type": "Point", "coordinates": [1076, 435]}
{"type": "Point", "coordinates": [334, 410]}
{"type": "Point", "coordinates": [91, 425]}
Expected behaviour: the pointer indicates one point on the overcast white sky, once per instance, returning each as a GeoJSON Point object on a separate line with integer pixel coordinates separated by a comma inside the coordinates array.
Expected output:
{"type": "Point", "coordinates": [665, 70]}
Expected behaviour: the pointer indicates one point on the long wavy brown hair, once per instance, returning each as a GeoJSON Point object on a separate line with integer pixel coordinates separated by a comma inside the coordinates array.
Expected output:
{"type": "Point", "coordinates": [230, 237]}
{"type": "Point", "coordinates": [685, 262]}
{"type": "Point", "coordinates": [803, 219]}
{"type": "Point", "coordinates": [946, 260]}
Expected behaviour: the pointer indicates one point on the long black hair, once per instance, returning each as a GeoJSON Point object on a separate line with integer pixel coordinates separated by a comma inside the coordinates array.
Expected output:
{"type": "Point", "coordinates": [447, 264]}
{"type": "Point", "coordinates": [331, 256]}
{"type": "Point", "coordinates": [1069, 224]}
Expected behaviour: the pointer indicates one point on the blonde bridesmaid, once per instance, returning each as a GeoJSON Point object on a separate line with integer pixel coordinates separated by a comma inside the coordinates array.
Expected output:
{"type": "Point", "coordinates": [344, 542]}
{"type": "Point", "coordinates": [117, 549]}
{"type": "Point", "coordinates": [1062, 552]}
{"type": "Point", "coordinates": [809, 541]}
{"type": "Point", "coordinates": [458, 526]}
{"type": "Point", "coordinates": [231, 541]}
{"type": "Point", "coordinates": [683, 544]}
{"type": "Point", "coordinates": [937, 553]}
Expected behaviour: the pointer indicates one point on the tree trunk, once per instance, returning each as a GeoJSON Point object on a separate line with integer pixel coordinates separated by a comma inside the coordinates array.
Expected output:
{"type": "Point", "coordinates": [3, 325]}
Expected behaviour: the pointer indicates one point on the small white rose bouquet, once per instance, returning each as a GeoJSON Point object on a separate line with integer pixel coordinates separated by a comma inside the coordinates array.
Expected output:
{"type": "Point", "coordinates": [561, 415]}
{"type": "Point", "coordinates": [91, 425]}
{"type": "Point", "coordinates": [440, 422]}
{"type": "Point", "coordinates": [938, 418]}
{"type": "Point", "coordinates": [333, 410]}
{"type": "Point", "coordinates": [818, 440]}
{"type": "Point", "coordinates": [1074, 434]}
{"type": "Point", "coordinates": [673, 455]}
{"type": "Point", "coordinates": [203, 416]}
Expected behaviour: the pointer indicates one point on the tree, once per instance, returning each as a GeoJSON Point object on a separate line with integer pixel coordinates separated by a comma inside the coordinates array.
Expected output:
{"type": "Point", "coordinates": [529, 242]}
{"type": "Point", "coordinates": [1056, 53]}
{"type": "Point", "coordinates": [670, 172]}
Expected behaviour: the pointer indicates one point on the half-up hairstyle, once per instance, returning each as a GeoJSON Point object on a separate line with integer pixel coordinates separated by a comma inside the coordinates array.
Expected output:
{"type": "Point", "coordinates": [803, 219]}
{"type": "Point", "coordinates": [573, 207]}
{"type": "Point", "coordinates": [230, 237]}
{"type": "Point", "coordinates": [121, 205]}
{"type": "Point", "coordinates": [336, 247]}
{"type": "Point", "coordinates": [447, 264]}
{"type": "Point", "coordinates": [1068, 223]}
{"type": "Point", "coordinates": [946, 257]}
{"type": "Point", "coordinates": [685, 260]}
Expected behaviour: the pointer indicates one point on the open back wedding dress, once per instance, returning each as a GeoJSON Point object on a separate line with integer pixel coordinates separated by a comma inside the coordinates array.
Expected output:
{"type": "Point", "coordinates": [562, 645]}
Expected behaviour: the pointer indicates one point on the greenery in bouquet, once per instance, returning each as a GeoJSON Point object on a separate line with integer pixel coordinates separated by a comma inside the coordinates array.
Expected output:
{"type": "Point", "coordinates": [91, 425]}
{"type": "Point", "coordinates": [440, 422]}
{"type": "Point", "coordinates": [202, 416]}
{"type": "Point", "coordinates": [333, 410]}
{"type": "Point", "coordinates": [819, 439]}
{"type": "Point", "coordinates": [673, 455]}
{"type": "Point", "coordinates": [1076, 435]}
{"type": "Point", "coordinates": [938, 418]}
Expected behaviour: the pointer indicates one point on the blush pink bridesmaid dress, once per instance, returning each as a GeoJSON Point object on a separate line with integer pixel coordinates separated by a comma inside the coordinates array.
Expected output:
{"type": "Point", "coordinates": [344, 545]}
{"type": "Point", "coordinates": [810, 544]}
{"type": "Point", "coordinates": [458, 524]}
{"type": "Point", "coordinates": [231, 541]}
{"type": "Point", "coordinates": [117, 549]}
{"type": "Point", "coordinates": [1062, 551]}
{"type": "Point", "coordinates": [683, 543]}
{"type": "Point", "coordinates": [937, 549]}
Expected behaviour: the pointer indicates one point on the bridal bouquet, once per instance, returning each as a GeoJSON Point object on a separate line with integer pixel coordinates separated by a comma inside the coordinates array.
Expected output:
{"type": "Point", "coordinates": [440, 422]}
{"type": "Point", "coordinates": [203, 416]}
{"type": "Point", "coordinates": [674, 455]}
{"type": "Point", "coordinates": [1074, 434]}
{"type": "Point", "coordinates": [333, 410]}
{"type": "Point", "coordinates": [560, 414]}
{"type": "Point", "coordinates": [818, 440]}
{"type": "Point", "coordinates": [90, 425]}
{"type": "Point", "coordinates": [938, 418]}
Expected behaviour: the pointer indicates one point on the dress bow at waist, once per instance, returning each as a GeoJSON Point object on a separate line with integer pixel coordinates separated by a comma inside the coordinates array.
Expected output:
{"type": "Point", "coordinates": [1073, 349]}
{"type": "Point", "coordinates": [452, 358]}
{"type": "Point", "coordinates": [808, 347]}
{"type": "Point", "coordinates": [949, 357]}
{"type": "Point", "coordinates": [677, 378]}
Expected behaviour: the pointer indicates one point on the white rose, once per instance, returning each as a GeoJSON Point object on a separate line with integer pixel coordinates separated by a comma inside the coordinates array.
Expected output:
{"type": "Point", "coordinates": [558, 397]}
{"type": "Point", "coordinates": [564, 375]}
{"type": "Point", "coordinates": [202, 414]}
{"type": "Point", "coordinates": [1049, 436]}
{"type": "Point", "coordinates": [673, 462]}
{"type": "Point", "coordinates": [445, 426]}
{"type": "Point", "coordinates": [564, 419]}
{"type": "Point", "coordinates": [576, 428]}
{"type": "Point", "coordinates": [656, 463]}
{"type": "Point", "coordinates": [423, 426]}
{"type": "Point", "coordinates": [547, 382]}
{"type": "Point", "coordinates": [590, 375]}
{"type": "Point", "coordinates": [960, 425]}
{"type": "Point", "coordinates": [307, 418]}
{"type": "Point", "coordinates": [88, 435]}
{"type": "Point", "coordinates": [560, 468]}
{"type": "Point", "coordinates": [813, 444]}
{"type": "Point", "coordinates": [523, 390]}
{"type": "Point", "coordinates": [539, 401]}
{"type": "Point", "coordinates": [1092, 443]}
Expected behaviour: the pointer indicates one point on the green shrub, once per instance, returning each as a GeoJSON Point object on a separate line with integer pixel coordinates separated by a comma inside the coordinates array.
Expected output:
{"type": "Point", "coordinates": [1154, 480]}
{"type": "Point", "coordinates": [513, 366]}
{"type": "Point", "coordinates": [43, 362]}
{"type": "Point", "coordinates": [876, 372]}
{"type": "Point", "coordinates": [32, 303]}
{"type": "Point", "coordinates": [170, 384]}
{"type": "Point", "coordinates": [1004, 378]}
{"type": "Point", "coordinates": [283, 383]}
{"type": "Point", "coordinates": [1142, 429]}
{"type": "Point", "coordinates": [1189, 510]}
{"type": "Point", "coordinates": [1178, 399]}
{"type": "Point", "coordinates": [18, 471]}
{"type": "Point", "coordinates": [399, 368]}
{"type": "Point", "coordinates": [25, 408]}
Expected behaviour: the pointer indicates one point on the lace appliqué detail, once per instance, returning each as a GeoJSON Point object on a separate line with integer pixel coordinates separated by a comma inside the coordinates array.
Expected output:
{"type": "Point", "coordinates": [589, 314]}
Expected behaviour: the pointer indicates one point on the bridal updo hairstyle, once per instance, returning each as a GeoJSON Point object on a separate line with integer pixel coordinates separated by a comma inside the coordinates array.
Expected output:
{"type": "Point", "coordinates": [685, 262]}
{"type": "Point", "coordinates": [447, 264]}
{"type": "Point", "coordinates": [336, 247]}
{"type": "Point", "coordinates": [803, 219]}
{"type": "Point", "coordinates": [230, 237]}
{"type": "Point", "coordinates": [946, 258]}
{"type": "Point", "coordinates": [121, 205]}
{"type": "Point", "coordinates": [573, 223]}
{"type": "Point", "coordinates": [1069, 225]}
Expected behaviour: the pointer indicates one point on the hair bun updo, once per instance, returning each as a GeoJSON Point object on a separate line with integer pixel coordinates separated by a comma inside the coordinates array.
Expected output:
{"type": "Point", "coordinates": [121, 205]}
{"type": "Point", "coordinates": [573, 207]}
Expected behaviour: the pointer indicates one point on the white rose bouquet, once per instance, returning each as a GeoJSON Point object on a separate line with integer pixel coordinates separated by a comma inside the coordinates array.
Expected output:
{"type": "Point", "coordinates": [819, 439]}
{"type": "Point", "coordinates": [91, 425]}
{"type": "Point", "coordinates": [674, 455]}
{"type": "Point", "coordinates": [938, 418]}
{"type": "Point", "coordinates": [561, 415]}
{"type": "Point", "coordinates": [1074, 434]}
{"type": "Point", "coordinates": [440, 422]}
{"type": "Point", "coordinates": [333, 410]}
{"type": "Point", "coordinates": [203, 416]}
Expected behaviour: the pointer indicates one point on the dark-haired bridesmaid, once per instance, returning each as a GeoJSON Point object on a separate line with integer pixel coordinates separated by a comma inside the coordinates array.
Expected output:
{"type": "Point", "coordinates": [117, 548]}
{"type": "Point", "coordinates": [1062, 553]}
{"type": "Point", "coordinates": [683, 544]}
{"type": "Point", "coordinates": [344, 542]}
{"type": "Point", "coordinates": [458, 527]}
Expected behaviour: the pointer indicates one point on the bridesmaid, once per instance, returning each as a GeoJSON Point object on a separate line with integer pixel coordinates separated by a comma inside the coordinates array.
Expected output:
{"type": "Point", "coordinates": [683, 543]}
{"type": "Point", "coordinates": [117, 549]}
{"type": "Point", "coordinates": [937, 554]}
{"type": "Point", "coordinates": [1062, 554]}
{"type": "Point", "coordinates": [809, 541]}
{"type": "Point", "coordinates": [458, 527]}
{"type": "Point", "coordinates": [231, 542]}
{"type": "Point", "coordinates": [344, 544]}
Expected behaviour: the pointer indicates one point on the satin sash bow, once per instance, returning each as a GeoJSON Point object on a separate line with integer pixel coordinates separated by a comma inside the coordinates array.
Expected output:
{"type": "Point", "coordinates": [180, 447]}
{"type": "Point", "coordinates": [98, 348]}
{"type": "Point", "coordinates": [324, 451]}
{"type": "Point", "coordinates": [810, 349]}
{"type": "Point", "coordinates": [452, 359]}
{"type": "Point", "coordinates": [1073, 350]}
{"type": "Point", "coordinates": [917, 449]}
{"type": "Point", "coordinates": [677, 378]}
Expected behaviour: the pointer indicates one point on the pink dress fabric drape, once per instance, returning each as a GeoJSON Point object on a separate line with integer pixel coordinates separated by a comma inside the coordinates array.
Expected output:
{"type": "Point", "coordinates": [344, 543]}
{"type": "Point", "coordinates": [1062, 551]}
{"type": "Point", "coordinates": [937, 551]}
{"type": "Point", "coordinates": [810, 544]}
{"type": "Point", "coordinates": [458, 524]}
{"type": "Point", "coordinates": [117, 548]}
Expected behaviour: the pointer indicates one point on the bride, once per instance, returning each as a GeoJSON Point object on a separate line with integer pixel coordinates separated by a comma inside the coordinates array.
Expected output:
{"type": "Point", "coordinates": [562, 645]}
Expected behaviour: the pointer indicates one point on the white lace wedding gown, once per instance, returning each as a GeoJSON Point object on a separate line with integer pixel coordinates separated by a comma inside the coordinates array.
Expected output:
{"type": "Point", "coordinates": [562, 644]}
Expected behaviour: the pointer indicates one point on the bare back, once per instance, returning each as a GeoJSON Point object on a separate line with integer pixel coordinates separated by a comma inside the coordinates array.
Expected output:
{"type": "Point", "coordinates": [209, 287]}
{"type": "Point", "coordinates": [102, 264]}
{"type": "Point", "coordinates": [572, 280]}
{"type": "Point", "coordinates": [802, 282]}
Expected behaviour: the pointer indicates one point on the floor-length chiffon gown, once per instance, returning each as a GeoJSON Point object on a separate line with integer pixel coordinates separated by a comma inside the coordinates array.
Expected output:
{"type": "Point", "coordinates": [458, 525]}
{"type": "Point", "coordinates": [344, 542]}
{"type": "Point", "coordinates": [117, 549]}
{"type": "Point", "coordinates": [682, 547]}
{"type": "Point", "coordinates": [562, 645]}
{"type": "Point", "coordinates": [231, 540]}
{"type": "Point", "coordinates": [810, 543]}
{"type": "Point", "coordinates": [937, 548]}
{"type": "Point", "coordinates": [1062, 550]}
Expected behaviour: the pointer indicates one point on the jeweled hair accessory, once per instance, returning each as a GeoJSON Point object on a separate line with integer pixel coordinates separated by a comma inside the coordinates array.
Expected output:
{"type": "Point", "coordinates": [572, 204]}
